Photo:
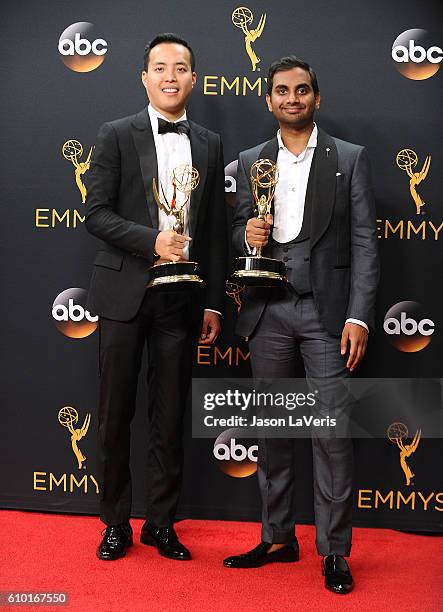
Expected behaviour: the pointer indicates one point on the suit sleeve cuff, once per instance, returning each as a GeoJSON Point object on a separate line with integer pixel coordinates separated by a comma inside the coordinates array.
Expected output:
{"type": "Point", "coordinates": [358, 322]}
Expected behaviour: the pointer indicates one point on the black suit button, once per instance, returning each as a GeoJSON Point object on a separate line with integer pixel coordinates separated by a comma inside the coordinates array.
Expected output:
{"type": "Point", "coordinates": [286, 258]}
{"type": "Point", "coordinates": [285, 249]}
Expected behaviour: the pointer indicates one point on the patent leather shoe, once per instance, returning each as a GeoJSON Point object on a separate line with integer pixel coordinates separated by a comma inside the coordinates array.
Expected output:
{"type": "Point", "coordinates": [116, 539]}
{"type": "Point", "coordinates": [338, 577]}
{"type": "Point", "coordinates": [259, 556]}
{"type": "Point", "coordinates": [166, 541]}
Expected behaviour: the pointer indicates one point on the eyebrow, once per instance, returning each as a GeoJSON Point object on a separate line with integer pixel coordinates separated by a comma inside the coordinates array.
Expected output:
{"type": "Point", "coordinates": [176, 64]}
{"type": "Point", "coordinates": [297, 86]}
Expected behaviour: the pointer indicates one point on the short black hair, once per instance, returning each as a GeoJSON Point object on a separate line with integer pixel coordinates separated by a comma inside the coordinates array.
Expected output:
{"type": "Point", "coordinates": [286, 63]}
{"type": "Point", "coordinates": [167, 37]}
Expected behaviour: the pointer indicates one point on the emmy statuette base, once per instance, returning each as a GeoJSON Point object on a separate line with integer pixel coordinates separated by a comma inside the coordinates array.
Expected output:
{"type": "Point", "coordinates": [175, 276]}
{"type": "Point", "coordinates": [256, 271]}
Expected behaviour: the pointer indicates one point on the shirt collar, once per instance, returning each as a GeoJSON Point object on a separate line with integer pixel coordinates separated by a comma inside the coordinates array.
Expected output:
{"type": "Point", "coordinates": [312, 142]}
{"type": "Point", "coordinates": [154, 115]}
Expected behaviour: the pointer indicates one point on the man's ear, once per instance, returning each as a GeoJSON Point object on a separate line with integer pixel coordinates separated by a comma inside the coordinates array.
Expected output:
{"type": "Point", "coordinates": [268, 102]}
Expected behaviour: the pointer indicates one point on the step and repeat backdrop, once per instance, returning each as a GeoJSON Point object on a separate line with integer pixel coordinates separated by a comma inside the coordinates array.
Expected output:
{"type": "Point", "coordinates": [67, 68]}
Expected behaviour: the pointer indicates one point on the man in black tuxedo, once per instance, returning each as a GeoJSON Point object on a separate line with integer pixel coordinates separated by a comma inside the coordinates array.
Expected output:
{"type": "Point", "coordinates": [135, 234]}
{"type": "Point", "coordinates": [323, 229]}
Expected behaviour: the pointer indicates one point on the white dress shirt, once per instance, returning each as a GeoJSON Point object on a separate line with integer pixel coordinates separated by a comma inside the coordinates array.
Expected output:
{"type": "Point", "coordinates": [290, 193]}
{"type": "Point", "coordinates": [172, 150]}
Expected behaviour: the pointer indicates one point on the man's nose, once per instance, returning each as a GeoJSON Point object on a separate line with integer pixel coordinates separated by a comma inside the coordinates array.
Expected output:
{"type": "Point", "coordinates": [170, 74]}
{"type": "Point", "coordinates": [293, 97]}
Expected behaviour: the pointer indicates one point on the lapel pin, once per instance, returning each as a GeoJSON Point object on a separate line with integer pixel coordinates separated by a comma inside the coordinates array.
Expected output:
{"type": "Point", "coordinates": [327, 151]}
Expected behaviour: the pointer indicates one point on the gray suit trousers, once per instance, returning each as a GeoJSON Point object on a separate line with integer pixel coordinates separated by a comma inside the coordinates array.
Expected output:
{"type": "Point", "coordinates": [290, 329]}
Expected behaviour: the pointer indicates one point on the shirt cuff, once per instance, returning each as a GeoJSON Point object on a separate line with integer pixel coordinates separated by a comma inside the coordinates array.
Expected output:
{"type": "Point", "coordinates": [249, 250]}
{"type": "Point", "coordinates": [358, 322]}
{"type": "Point", "coordinates": [212, 310]}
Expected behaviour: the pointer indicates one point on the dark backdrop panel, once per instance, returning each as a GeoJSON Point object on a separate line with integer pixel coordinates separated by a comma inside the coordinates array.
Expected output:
{"type": "Point", "coordinates": [364, 100]}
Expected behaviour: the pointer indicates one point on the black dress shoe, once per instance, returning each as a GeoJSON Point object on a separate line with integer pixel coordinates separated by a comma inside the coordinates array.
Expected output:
{"type": "Point", "coordinates": [259, 556]}
{"type": "Point", "coordinates": [166, 541]}
{"type": "Point", "coordinates": [115, 541]}
{"type": "Point", "coordinates": [338, 578]}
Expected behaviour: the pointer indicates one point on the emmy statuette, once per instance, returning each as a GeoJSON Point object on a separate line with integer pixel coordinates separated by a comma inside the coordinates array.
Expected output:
{"type": "Point", "coordinates": [177, 274]}
{"type": "Point", "coordinates": [256, 270]}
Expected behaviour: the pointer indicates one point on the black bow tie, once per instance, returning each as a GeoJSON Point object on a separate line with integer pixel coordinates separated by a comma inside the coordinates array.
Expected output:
{"type": "Point", "coordinates": [181, 127]}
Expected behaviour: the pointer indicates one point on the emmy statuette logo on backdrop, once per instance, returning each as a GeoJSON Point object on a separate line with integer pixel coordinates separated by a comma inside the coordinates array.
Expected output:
{"type": "Point", "coordinates": [417, 222]}
{"type": "Point", "coordinates": [69, 482]}
{"type": "Point", "coordinates": [68, 417]}
{"type": "Point", "coordinates": [406, 160]}
{"type": "Point", "coordinates": [240, 84]}
{"type": "Point", "coordinates": [72, 150]}
{"type": "Point", "coordinates": [52, 218]}
{"type": "Point", "coordinates": [398, 434]}
{"type": "Point", "coordinates": [234, 291]}
{"type": "Point", "coordinates": [392, 499]}
{"type": "Point", "coordinates": [242, 18]}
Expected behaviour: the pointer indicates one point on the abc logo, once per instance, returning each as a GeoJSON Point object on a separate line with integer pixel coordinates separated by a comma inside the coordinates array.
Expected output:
{"type": "Point", "coordinates": [409, 330]}
{"type": "Point", "coordinates": [231, 182]}
{"type": "Point", "coordinates": [70, 315]}
{"type": "Point", "coordinates": [415, 55]}
{"type": "Point", "coordinates": [235, 456]}
{"type": "Point", "coordinates": [80, 49]}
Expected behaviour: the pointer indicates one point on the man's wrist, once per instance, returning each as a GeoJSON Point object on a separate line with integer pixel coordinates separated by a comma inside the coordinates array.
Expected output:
{"type": "Point", "coordinates": [212, 310]}
{"type": "Point", "coordinates": [358, 322]}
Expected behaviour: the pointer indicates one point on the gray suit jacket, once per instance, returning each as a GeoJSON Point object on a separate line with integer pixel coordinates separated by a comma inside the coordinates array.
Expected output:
{"type": "Point", "coordinates": [344, 264]}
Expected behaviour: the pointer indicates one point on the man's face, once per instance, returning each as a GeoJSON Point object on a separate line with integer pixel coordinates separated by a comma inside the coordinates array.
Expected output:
{"type": "Point", "coordinates": [169, 79]}
{"type": "Point", "coordinates": [292, 99]}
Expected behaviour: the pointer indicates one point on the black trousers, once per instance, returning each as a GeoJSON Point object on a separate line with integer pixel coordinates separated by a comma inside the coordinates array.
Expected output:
{"type": "Point", "coordinates": [167, 323]}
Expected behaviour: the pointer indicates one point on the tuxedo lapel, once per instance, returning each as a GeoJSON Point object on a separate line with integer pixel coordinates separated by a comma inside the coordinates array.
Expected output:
{"type": "Point", "coordinates": [323, 181]}
{"type": "Point", "coordinates": [270, 151]}
{"type": "Point", "coordinates": [323, 186]}
{"type": "Point", "coordinates": [144, 144]}
{"type": "Point", "coordinates": [199, 151]}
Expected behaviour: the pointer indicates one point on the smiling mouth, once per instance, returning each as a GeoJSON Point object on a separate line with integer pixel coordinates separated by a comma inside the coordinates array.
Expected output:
{"type": "Point", "coordinates": [170, 90]}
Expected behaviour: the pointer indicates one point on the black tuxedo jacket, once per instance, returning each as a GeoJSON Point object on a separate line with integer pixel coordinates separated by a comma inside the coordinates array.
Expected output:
{"type": "Point", "coordinates": [343, 244]}
{"type": "Point", "coordinates": [122, 212]}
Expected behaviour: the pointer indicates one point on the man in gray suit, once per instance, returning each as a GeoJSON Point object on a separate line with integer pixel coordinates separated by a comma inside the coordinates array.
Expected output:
{"type": "Point", "coordinates": [323, 228]}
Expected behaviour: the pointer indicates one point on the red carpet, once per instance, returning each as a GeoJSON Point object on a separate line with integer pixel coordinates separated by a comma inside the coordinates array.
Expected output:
{"type": "Point", "coordinates": [44, 552]}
